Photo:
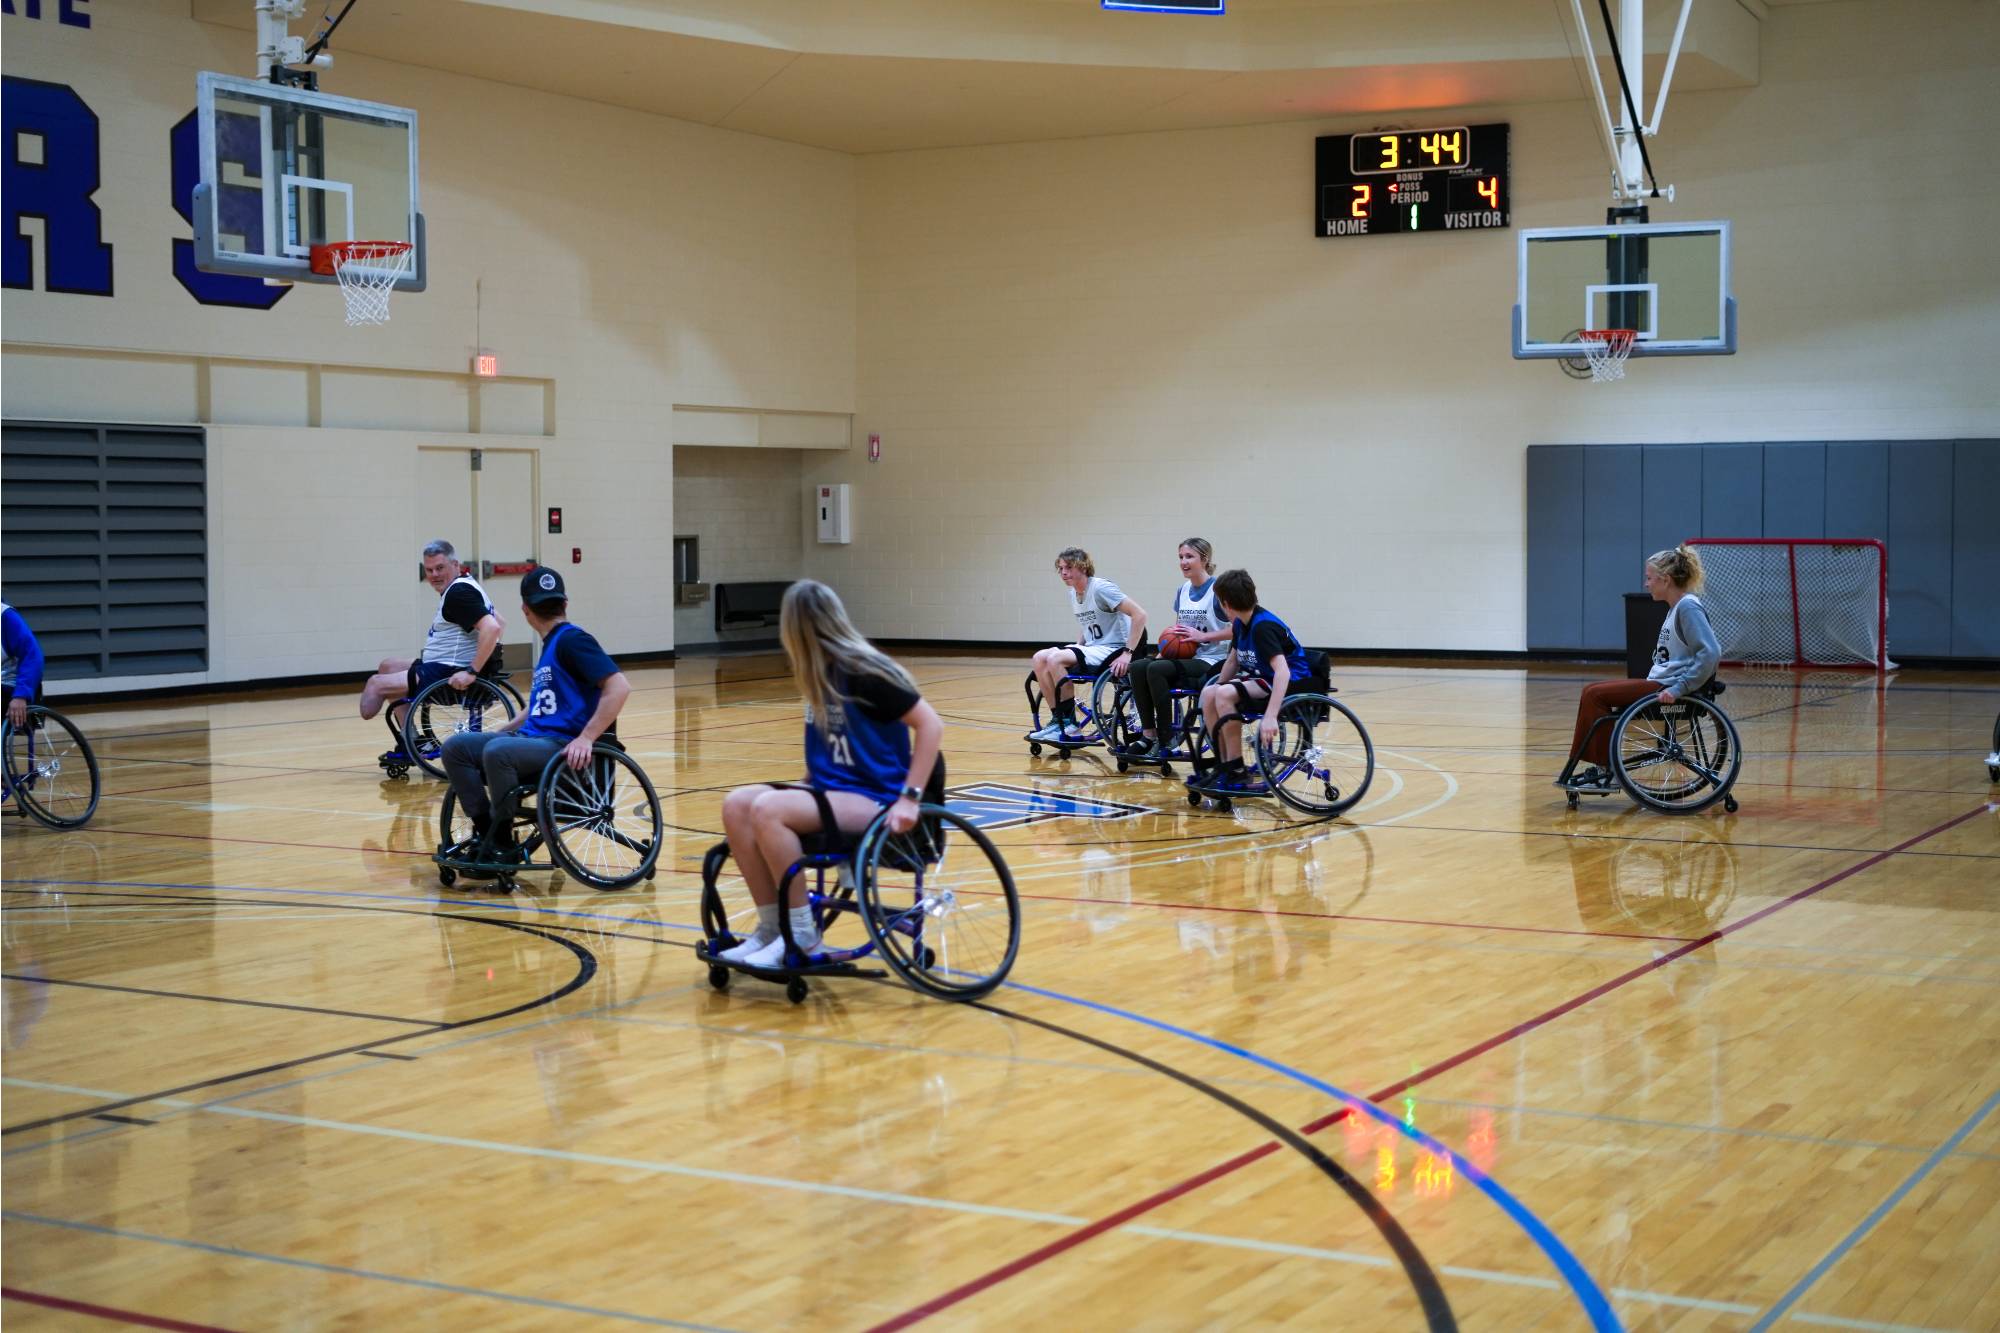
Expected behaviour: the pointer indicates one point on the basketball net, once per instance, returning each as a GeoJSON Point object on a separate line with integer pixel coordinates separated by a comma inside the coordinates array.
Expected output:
{"type": "Point", "coordinates": [1606, 351]}
{"type": "Point", "coordinates": [367, 272]}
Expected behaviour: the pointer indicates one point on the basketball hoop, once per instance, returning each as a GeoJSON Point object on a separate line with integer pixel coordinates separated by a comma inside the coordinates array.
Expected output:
{"type": "Point", "coordinates": [367, 272]}
{"type": "Point", "coordinates": [1604, 349]}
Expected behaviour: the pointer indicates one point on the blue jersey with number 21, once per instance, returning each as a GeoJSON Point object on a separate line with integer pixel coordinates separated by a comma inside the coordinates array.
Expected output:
{"type": "Point", "coordinates": [848, 750]}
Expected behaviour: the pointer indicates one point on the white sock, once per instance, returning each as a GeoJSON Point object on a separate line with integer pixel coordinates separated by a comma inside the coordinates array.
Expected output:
{"type": "Point", "coordinates": [803, 930]}
{"type": "Point", "coordinates": [766, 931]}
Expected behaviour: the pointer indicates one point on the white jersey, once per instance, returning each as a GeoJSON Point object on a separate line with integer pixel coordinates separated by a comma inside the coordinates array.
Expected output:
{"type": "Point", "coordinates": [1098, 622]}
{"type": "Point", "coordinates": [1203, 615]}
{"type": "Point", "coordinates": [449, 644]}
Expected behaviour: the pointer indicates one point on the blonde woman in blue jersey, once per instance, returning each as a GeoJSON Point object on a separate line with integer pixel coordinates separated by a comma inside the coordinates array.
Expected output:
{"type": "Point", "coordinates": [871, 741]}
{"type": "Point", "coordinates": [1108, 624]}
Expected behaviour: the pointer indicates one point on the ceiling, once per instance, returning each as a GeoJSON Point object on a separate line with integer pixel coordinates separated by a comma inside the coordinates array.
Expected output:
{"type": "Point", "coordinates": [876, 76]}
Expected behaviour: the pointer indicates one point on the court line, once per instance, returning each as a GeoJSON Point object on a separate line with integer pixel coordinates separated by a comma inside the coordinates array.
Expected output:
{"type": "Point", "coordinates": [68, 1306]}
{"type": "Point", "coordinates": [586, 969]}
{"type": "Point", "coordinates": [1037, 1257]}
{"type": "Point", "coordinates": [1874, 1218]}
{"type": "Point", "coordinates": [428, 1284]}
{"type": "Point", "coordinates": [218, 999]}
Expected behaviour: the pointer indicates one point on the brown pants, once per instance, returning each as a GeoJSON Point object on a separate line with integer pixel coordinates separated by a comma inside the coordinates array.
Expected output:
{"type": "Point", "coordinates": [1606, 698]}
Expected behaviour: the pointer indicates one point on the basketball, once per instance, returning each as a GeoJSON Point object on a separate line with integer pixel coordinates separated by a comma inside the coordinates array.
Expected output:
{"type": "Point", "coordinates": [1177, 643]}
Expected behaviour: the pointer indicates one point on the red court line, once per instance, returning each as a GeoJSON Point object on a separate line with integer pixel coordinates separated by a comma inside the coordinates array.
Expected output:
{"type": "Point", "coordinates": [107, 1312]}
{"type": "Point", "coordinates": [1035, 1258]}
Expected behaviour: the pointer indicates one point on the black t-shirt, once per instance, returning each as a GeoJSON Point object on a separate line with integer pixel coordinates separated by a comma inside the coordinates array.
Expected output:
{"type": "Point", "coordinates": [1273, 644]}
{"type": "Point", "coordinates": [583, 658]}
{"type": "Point", "coordinates": [463, 606]}
{"type": "Point", "coordinates": [881, 699]}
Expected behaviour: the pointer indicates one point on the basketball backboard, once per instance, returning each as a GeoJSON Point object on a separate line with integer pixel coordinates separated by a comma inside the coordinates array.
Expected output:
{"type": "Point", "coordinates": [284, 169]}
{"type": "Point", "coordinates": [1668, 281]}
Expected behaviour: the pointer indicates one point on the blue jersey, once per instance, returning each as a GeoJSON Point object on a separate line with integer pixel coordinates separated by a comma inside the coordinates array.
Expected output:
{"type": "Point", "coordinates": [856, 748]}
{"type": "Point", "coordinates": [22, 666]}
{"type": "Point", "coordinates": [560, 701]}
{"type": "Point", "coordinates": [1252, 661]}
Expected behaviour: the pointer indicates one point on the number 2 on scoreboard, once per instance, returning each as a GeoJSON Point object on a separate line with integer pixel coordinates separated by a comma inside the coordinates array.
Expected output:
{"type": "Point", "coordinates": [1362, 194]}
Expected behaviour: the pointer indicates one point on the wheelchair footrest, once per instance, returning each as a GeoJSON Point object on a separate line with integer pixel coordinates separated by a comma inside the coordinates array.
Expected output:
{"type": "Point", "coordinates": [827, 963]}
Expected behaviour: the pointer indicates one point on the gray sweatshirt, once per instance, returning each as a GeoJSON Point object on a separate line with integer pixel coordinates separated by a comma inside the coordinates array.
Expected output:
{"type": "Point", "coordinates": [1687, 652]}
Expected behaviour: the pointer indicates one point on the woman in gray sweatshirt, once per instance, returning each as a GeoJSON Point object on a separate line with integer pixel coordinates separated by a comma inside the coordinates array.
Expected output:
{"type": "Point", "coordinates": [1683, 660]}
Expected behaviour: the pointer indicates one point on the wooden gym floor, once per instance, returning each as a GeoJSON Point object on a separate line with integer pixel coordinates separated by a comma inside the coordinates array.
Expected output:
{"type": "Point", "coordinates": [1462, 1058]}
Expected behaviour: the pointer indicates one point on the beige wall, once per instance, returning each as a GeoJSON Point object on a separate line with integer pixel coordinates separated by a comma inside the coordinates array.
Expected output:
{"type": "Point", "coordinates": [748, 508]}
{"type": "Point", "coordinates": [1119, 342]}
{"type": "Point", "coordinates": [617, 262]}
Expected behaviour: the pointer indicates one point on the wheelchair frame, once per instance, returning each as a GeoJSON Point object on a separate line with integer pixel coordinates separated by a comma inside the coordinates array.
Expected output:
{"type": "Point", "coordinates": [1297, 713]}
{"type": "Point", "coordinates": [1187, 734]}
{"type": "Point", "coordinates": [1086, 699]}
{"type": "Point", "coordinates": [410, 741]}
{"type": "Point", "coordinates": [1714, 786]}
{"type": "Point", "coordinates": [852, 860]}
{"type": "Point", "coordinates": [19, 787]}
{"type": "Point", "coordinates": [532, 829]}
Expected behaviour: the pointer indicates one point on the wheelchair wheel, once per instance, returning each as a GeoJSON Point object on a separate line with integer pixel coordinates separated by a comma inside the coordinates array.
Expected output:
{"type": "Point", "coordinates": [939, 904]}
{"type": "Point", "coordinates": [1993, 758]}
{"type": "Point", "coordinates": [455, 827]}
{"type": "Point", "coordinates": [1116, 713]}
{"type": "Point", "coordinates": [1676, 758]}
{"type": "Point", "coordinates": [603, 822]}
{"type": "Point", "coordinates": [51, 770]}
{"type": "Point", "coordinates": [439, 712]}
{"type": "Point", "coordinates": [1321, 761]}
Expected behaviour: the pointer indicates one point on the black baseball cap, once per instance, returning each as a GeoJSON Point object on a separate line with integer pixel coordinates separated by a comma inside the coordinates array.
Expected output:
{"type": "Point", "coordinates": [542, 584]}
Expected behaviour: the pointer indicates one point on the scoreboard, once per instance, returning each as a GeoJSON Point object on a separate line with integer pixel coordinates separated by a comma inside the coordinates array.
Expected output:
{"type": "Point", "coordinates": [1452, 178]}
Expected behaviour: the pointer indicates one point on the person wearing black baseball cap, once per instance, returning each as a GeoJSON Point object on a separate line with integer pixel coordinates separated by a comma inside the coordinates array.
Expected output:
{"type": "Point", "coordinates": [572, 703]}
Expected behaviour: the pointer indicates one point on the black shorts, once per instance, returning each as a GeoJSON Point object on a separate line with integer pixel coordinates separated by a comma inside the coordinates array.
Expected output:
{"type": "Point", "coordinates": [1079, 659]}
{"type": "Point", "coordinates": [1244, 697]}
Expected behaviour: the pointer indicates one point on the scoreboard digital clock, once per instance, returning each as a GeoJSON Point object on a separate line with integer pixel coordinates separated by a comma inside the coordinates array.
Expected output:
{"type": "Point", "coordinates": [1453, 178]}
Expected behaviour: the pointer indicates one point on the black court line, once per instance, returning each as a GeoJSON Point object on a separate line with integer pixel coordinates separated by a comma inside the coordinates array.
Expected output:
{"type": "Point", "coordinates": [122, 1119]}
{"type": "Point", "coordinates": [213, 999]}
{"type": "Point", "coordinates": [586, 969]}
{"type": "Point", "coordinates": [388, 1055]}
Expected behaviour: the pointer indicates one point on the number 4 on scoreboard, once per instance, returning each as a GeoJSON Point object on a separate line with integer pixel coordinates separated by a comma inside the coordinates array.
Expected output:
{"type": "Point", "coordinates": [1489, 190]}
{"type": "Point", "coordinates": [1446, 147]}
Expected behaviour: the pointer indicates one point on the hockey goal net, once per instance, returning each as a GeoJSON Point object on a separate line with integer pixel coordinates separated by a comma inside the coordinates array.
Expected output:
{"type": "Point", "coordinates": [1798, 601]}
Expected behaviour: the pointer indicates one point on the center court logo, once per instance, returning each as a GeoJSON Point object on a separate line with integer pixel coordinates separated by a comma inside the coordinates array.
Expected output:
{"type": "Point", "coordinates": [997, 805]}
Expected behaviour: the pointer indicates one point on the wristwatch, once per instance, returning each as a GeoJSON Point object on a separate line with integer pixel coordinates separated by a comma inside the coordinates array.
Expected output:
{"type": "Point", "coordinates": [914, 793]}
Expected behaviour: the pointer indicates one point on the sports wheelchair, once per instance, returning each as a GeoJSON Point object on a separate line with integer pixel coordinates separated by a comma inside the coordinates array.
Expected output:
{"type": "Point", "coordinates": [437, 712]}
{"type": "Point", "coordinates": [931, 901]}
{"type": "Point", "coordinates": [1117, 709]}
{"type": "Point", "coordinates": [1993, 758]}
{"type": "Point", "coordinates": [1675, 758]}
{"type": "Point", "coordinates": [602, 824]}
{"type": "Point", "coordinates": [50, 773]}
{"type": "Point", "coordinates": [1320, 763]}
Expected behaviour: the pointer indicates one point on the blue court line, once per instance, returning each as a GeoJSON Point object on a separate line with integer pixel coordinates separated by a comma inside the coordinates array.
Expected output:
{"type": "Point", "coordinates": [1588, 1293]}
{"type": "Point", "coordinates": [428, 1284]}
{"type": "Point", "coordinates": [1868, 1223]}
{"type": "Point", "coordinates": [496, 904]}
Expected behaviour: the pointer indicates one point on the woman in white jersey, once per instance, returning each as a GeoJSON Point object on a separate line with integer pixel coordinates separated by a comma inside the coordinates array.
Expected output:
{"type": "Point", "coordinates": [1195, 611]}
{"type": "Point", "coordinates": [1108, 623]}
{"type": "Point", "coordinates": [1683, 660]}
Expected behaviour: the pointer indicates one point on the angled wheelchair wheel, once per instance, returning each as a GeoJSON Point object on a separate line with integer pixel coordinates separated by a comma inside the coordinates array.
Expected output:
{"type": "Point", "coordinates": [1993, 756]}
{"type": "Point", "coordinates": [439, 712]}
{"type": "Point", "coordinates": [1676, 758]}
{"type": "Point", "coordinates": [603, 822]}
{"type": "Point", "coordinates": [51, 771]}
{"type": "Point", "coordinates": [1322, 759]}
{"type": "Point", "coordinates": [1116, 712]}
{"type": "Point", "coordinates": [939, 904]}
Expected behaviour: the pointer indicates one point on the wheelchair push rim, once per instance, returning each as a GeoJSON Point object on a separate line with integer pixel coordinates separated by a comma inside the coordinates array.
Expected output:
{"type": "Point", "coordinates": [439, 712]}
{"type": "Point", "coordinates": [939, 904]}
{"type": "Point", "coordinates": [1322, 760]}
{"type": "Point", "coordinates": [1676, 758]}
{"type": "Point", "coordinates": [602, 822]}
{"type": "Point", "coordinates": [51, 771]}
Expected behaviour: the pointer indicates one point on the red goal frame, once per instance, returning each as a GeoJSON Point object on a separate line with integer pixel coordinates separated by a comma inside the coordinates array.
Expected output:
{"type": "Point", "coordinates": [1799, 658]}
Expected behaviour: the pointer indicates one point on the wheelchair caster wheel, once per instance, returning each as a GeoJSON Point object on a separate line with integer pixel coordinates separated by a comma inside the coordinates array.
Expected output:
{"type": "Point", "coordinates": [795, 990]}
{"type": "Point", "coordinates": [718, 976]}
{"type": "Point", "coordinates": [1729, 804]}
{"type": "Point", "coordinates": [927, 958]}
{"type": "Point", "coordinates": [447, 876]}
{"type": "Point", "coordinates": [1223, 804]}
{"type": "Point", "coordinates": [1034, 747]}
{"type": "Point", "coordinates": [396, 771]}
{"type": "Point", "coordinates": [1572, 800]}
{"type": "Point", "coordinates": [1194, 799]}
{"type": "Point", "coordinates": [1123, 766]}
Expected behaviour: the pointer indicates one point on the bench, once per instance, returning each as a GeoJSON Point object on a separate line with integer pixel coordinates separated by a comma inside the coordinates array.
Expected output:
{"type": "Point", "coordinates": [748, 605]}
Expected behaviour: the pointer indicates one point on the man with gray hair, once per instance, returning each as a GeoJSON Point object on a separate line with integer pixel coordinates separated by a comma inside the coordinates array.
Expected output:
{"type": "Point", "coordinates": [463, 643]}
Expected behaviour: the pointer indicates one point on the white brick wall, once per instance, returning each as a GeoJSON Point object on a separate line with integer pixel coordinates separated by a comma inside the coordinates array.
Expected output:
{"type": "Point", "coordinates": [748, 508]}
